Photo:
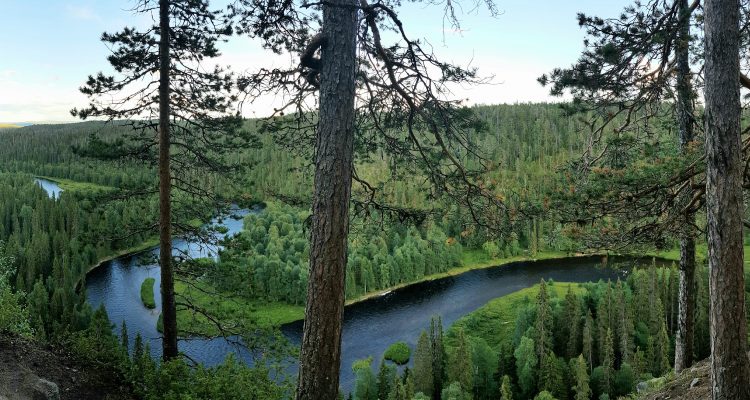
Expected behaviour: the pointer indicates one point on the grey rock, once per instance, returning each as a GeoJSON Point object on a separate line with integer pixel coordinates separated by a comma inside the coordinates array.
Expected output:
{"type": "Point", "coordinates": [641, 386]}
{"type": "Point", "coordinates": [46, 390]}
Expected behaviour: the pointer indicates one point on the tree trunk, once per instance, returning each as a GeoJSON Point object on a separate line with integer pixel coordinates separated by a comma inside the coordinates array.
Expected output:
{"type": "Point", "coordinates": [320, 356]}
{"type": "Point", "coordinates": [683, 355]}
{"type": "Point", "coordinates": [730, 369]}
{"type": "Point", "coordinates": [168, 311]}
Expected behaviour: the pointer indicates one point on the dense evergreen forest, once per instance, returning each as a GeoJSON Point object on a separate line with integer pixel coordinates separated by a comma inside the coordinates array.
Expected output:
{"type": "Point", "coordinates": [267, 263]}
{"type": "Point", "coordinates": [369, 178]}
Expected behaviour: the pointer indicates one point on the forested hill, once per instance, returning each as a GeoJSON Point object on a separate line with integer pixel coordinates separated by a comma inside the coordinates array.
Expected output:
{"type": "Point", "coordinates": [526, 141]}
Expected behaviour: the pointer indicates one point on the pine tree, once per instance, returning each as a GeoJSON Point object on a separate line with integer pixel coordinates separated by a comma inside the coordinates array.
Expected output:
{"type": "Point", "coordinates": [423, 373]}
{"type": "Point", "coordinates": [580, 378]}
{"type": "Point", "coordinates": [195, 116]}
{"type": "Point", "coordinates": [730, 367]}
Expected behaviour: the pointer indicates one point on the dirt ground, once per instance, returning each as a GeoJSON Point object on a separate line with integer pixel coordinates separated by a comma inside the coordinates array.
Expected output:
{"type": "Point", "coordinates": [24, 363]}
{"type": "Point", "coordinates": [680, 387]}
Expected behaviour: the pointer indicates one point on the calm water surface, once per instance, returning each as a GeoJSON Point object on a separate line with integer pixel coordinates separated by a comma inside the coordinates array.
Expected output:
{"type": "Point", "coordinates": [52, 188]}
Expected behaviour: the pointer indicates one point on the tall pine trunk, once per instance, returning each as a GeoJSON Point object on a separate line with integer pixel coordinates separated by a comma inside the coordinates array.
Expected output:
{"type": "Point", "coordinates": [320, 356]}
{"type": "Point", "coordinates": [683, 355]}
{"type": "Point", "coordinates": [169, 314]}
{"type": "Point", "coordinates": [730, 369]}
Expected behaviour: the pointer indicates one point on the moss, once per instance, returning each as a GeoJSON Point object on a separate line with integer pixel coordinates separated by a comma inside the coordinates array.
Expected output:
{"type": "Point", "coordinates": [147, 293]}
{"type": "Point", "coordinates": [398, 352]}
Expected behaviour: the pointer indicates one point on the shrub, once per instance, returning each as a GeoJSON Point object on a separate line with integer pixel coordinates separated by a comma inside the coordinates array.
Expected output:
{"type": "Point", "coordinates": [147, 293]}
{"type": "Point", "coordinates": [398, 352]}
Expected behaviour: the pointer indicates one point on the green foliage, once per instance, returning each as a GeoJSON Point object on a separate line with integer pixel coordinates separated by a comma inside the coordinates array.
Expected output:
{"type": "Point", "coordinates": [526, 363]}
{"type": "Point", "coordinates": [437, 351]}
{"type": "Point", "coordinates": [365, 384]}
{"type": "Point", "coordinates": [147, 293]}
{"type": "Point", "coordinates": [455, 391]}
{"type": "Point", "coordinates": [399, 353]}
{"type": "Point", "coordinates": [544, 395]}
{"type": "Point", "coordinates": [273, 249]}
{"type": "Point", "coordinates": [506, 392]}
{"type": "Point", "coordinates": [459, 366]}
{"type": "Point", "coordinates": [387, 375]}
{"type": "Point", "coordinates": [580, 378]}
{"type": "Point", "coordinates": [624, 382]}
{"type": "Point", "coordinates": [14, 316]}
{"type": "Point", "coordinates": [423, 374]}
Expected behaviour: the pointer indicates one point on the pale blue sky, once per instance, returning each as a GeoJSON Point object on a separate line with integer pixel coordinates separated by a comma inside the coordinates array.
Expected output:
{"type": "Point", "coordinates": [49, 47]}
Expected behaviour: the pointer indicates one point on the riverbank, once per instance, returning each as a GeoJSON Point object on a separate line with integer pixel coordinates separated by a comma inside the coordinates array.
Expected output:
{"type": "Point", "coordinates": [275, 314]}
{"type": "Point", "coordinates": [471, 259]}
{"type": "Point", "coordinates": [71, 185]}
{"type": "Point", "coordinates": [495, 321]}
{"type": "Point", "coordinates": [701, 254]}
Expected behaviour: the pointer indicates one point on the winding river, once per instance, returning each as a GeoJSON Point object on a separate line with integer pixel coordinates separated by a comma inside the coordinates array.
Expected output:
{"type": "Point", "coordinates": [370, 326]}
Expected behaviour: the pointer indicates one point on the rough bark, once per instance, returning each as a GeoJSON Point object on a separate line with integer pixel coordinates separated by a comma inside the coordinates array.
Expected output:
{"type": "Point", "coordinates": [169, 314]}
{"type": "Point", "coordinates": [320, 356]}
{"type": "Point", "coordinates": [683, 357]}
{"type": "Point", "coordinates": [730, 369]}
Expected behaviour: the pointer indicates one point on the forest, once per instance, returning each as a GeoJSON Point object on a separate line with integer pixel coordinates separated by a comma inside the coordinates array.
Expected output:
{"type": "Point", "coordinates": [374, 236]}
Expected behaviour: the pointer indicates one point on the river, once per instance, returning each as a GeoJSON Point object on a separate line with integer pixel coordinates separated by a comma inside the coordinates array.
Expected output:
{"type": "Point", "coordinates": [370, 326]}
{"type": "Point", "coordinates": [52, 188]}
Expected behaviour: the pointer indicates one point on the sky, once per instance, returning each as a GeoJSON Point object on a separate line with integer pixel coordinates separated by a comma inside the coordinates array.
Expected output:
{"type": "Point", "coordinates": [49, 47]}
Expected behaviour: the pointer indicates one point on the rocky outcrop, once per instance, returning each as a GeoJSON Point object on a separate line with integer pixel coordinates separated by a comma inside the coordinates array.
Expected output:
{"type": "Point", "coordinates": [31, 371]}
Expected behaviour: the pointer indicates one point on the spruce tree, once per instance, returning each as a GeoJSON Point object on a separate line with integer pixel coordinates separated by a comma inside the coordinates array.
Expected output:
{"type": "Point", "coordinates": [588, 340]}
{"type": "Point", "coordinates": [571, 325]}
{"type": "Point", "coordinates": [423, 373]}
{"type": "Point", "coordinates": [438, 353]}
{"type": "Point", "coordinates": [624, 324]}
{"type": "Point", "coordinates": [661, 363]}
{"type": "Point", "coordinates": [543, 324]}
{"type": "Point", "coordinates": [387, 376]}
{"type": "Point", "coordinates": [580, 378]}
{"type": "Point", "coordinates": [526, 365]}
{"type": "Point", "coordinates": [460, 367]}
{"type": "Point", "coordinates": [506, 391]}
{"type": "Point", "coordinates": [607, 363]}
{"type": "Point", "coordinates": [398, 391]}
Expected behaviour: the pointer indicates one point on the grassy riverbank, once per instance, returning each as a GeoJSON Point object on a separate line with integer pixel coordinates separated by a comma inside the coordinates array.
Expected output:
{"type": "Point", "coordinates": [471, 259]}
{"type": "Point", "coordinates": [701, 254]}
{"type": "Point", "coordinates": [228, 308]}
{"type": "Point", "coordinates": [76, 186]}
{"type": "Point", "coordinates": [495, 321]}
